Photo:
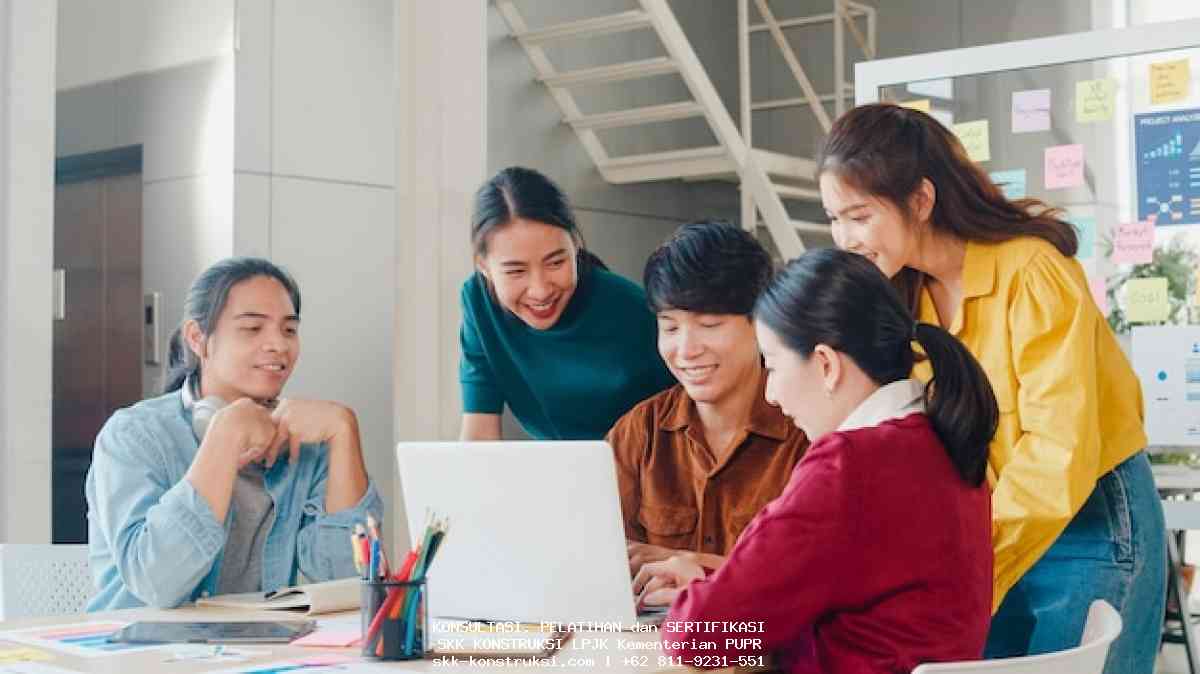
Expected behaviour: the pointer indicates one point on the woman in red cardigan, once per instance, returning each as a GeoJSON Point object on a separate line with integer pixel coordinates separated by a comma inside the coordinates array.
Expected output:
{"type": "Point", "coordinates": [877, 556]}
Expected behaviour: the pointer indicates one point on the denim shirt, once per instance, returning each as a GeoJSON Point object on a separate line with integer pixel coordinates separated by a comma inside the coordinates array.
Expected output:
{"type": "Point", "coordinates": [153, 539]}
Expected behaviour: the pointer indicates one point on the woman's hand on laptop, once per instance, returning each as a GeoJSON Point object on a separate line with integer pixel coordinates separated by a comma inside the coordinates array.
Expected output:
{"type": "Point", "coordinates": [658, 583]}
{"type": "Point", "coordinates": [644, 553]}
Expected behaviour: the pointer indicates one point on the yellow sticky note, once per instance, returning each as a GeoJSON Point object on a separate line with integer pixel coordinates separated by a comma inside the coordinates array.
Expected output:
{"type": "Point", "coordinates": [1196, 294]}
{"type": "Point", "coordinates": [974, 137]}
{"type": "Point", "coordinates": [921, 104]}
{"type": "Point", "coordinates": [1170, 81]}
{"type": "Point", "coordinates": [11, 655]}
{"type": "Point", "coordinates": [1094, 100]}
{"type": "Point", "coordinates": [1146, 300]}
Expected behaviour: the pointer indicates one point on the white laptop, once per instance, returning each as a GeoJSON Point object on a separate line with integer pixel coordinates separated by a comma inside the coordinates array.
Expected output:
{"type": "Point", "coordinates": [535, 530]}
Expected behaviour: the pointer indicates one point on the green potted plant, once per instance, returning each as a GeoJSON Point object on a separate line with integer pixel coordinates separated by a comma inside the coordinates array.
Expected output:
{"type": "Point", "coordinates": [1177, 262]}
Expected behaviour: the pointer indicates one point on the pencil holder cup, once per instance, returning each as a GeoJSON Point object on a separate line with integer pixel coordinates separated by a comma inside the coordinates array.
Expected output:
{"type": "Point", "coordinates": [395, 623]}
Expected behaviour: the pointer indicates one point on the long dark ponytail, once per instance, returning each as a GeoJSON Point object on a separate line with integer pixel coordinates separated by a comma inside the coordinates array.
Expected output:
{"type": "Point", "coordinates": [519, 192]}
{"type": "Point", "coordinates": [205, 301]}
{"type": "Point", "coordinates": [842, 300]}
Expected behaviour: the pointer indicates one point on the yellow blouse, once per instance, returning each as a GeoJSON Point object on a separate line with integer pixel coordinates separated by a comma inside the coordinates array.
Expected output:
{"type": "Point", "coordinates": [1070, 404]}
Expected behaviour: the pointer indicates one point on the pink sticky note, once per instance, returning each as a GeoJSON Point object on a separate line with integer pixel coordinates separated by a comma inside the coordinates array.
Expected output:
{"type": "Point", "coordinates": [1133, 243]}
{"type": "Point", "coordinates": [1064, 166]}
{"type": "Point", "coordinates": [1100, 294]}
{"type": "Point", "coordinates": [336, 638]}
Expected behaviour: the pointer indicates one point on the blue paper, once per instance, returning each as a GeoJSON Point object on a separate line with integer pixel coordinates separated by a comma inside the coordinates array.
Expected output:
{"type": "Point", "coordinates": [1085, 227]}
{"type": "Point", "coordinates": [1012, 182]}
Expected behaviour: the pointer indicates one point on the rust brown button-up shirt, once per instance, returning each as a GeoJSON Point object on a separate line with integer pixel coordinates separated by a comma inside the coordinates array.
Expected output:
{"type": "Point", "coordinates": [679, 493]}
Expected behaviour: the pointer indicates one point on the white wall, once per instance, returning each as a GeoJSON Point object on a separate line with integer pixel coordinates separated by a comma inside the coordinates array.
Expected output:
{"type": "Point", "coordinates": [182, 116]}
{"type": "Point", "coordinates": [26, 251]}
{"type": "Point", "coordinates": [111, 39]}
{"type": "Point", "coordinates": [440, 149]}
{"type": "Point", "coordinates": [314, 175]}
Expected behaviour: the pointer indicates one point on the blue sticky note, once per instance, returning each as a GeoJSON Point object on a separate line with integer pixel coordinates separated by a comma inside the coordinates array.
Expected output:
{"type": "Point", "coordinates": [1012, 182]}
{"type": "Point", "coordinates": [1085, 227]}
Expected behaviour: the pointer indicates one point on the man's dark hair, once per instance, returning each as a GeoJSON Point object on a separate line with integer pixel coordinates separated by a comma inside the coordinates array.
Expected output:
{"type": "Point", "coordinates": [708, 267]}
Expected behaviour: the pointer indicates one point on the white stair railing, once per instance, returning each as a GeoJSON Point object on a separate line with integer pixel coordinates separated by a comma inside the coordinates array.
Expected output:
{"type": "Point", "coordinates": [734, 154]}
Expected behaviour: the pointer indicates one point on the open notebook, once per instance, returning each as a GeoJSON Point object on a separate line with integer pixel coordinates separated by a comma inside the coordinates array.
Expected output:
{"type": "Point", "coordinates": [312, 599]}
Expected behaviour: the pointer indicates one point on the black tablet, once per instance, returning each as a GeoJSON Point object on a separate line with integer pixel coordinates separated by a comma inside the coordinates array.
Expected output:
{"type": "Point", "coordinates": [212, 632]}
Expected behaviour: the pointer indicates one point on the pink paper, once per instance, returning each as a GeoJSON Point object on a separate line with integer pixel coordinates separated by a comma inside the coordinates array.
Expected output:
{"type": "Point", "coordinates": [1100, 294]}
{"type": "Point", "coordinates": [1031, 110]}
{"type": "Point", "coordinates": [1133, 243]}
{"type": "Point", "coordinates": [1064, 166]}
{"type": "Point", "coordinates": [341, 638]}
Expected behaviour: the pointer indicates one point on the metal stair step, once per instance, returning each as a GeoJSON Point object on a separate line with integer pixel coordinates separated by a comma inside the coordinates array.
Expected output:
{"type": "Point", "coordinates": [811, 227]}
{"type": "Point", "coordinates": [636, 116]}
{"type": "Point", "coordinates": [692, 162]}
{"type": "Point", "coordinates": [777, 163]}
{"type": "Point", "coordinates": [601, 25]}
{"type": "Point", "coordinates": [631, 70]}
{"type": "Point", "coordinates": [797, 192]}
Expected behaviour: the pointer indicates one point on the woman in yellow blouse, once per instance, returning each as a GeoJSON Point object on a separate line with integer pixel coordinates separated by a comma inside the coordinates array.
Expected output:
{"type": "Point", "coordinates": [1075, 514]}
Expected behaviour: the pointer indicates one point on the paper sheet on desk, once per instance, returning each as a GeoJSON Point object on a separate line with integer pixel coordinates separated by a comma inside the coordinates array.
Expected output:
{"type": "Point", "coordinates": [342, 631]}
{"type": "Point", "coordinates": [315, 665]}
{"type": "Point", "coordinates": [32, 668]}
{"type": "Point", "coordinates": [219, 654]}
{"type": "Point", "coordinates": [22, 654]}
{"type": "Point", "coordinates": [85, 640]}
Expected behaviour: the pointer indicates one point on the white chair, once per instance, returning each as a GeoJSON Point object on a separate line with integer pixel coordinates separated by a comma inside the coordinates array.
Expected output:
{"type": "Point", "coordinates": [43, 580]}
{"type": "Point", "coordinates": [1102, 626]}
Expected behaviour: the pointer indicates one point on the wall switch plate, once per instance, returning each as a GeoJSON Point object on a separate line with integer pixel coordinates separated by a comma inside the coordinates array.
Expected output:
{"type": "Point", "coordinates": [151, 345]}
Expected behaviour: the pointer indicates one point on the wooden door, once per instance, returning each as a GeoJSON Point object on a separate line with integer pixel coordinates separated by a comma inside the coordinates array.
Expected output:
{"type": "Point", "coordinates": [98, 340]}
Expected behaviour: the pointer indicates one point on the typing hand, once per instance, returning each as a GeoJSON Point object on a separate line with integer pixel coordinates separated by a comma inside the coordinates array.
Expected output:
{"type": "Point", "coordinates": [644, 553]}
{"type": "Point", "coordinates": [659, 583]}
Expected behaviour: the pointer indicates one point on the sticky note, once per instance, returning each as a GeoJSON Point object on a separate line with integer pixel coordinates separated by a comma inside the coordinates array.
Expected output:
{"type": "Point", "coordinates": [1094, 100]}
{"type": "Point", "coordinates": [1170, 81]}
{"type": "Point", "coordinates": [1031, 111]}
{"type": "Point", "coordinates": [1133, 243]}
{"type": "Point", "coordinates": [1064, 166]}
{"type": "Point", "coordinates": [1146, 300]}
{"type": "Point", "coordinates": [1085, 228]}
{"type": "Point", "coordinates": [1100, 294]}
{"type": "Point", "coordinates": [921, 104]}
{"type": "Point", "coordinates": [1011, 182]}
{"type": "Point", "coordinates": [1196, 285]}
{"type": "Point", "coordinates": [974, 137]}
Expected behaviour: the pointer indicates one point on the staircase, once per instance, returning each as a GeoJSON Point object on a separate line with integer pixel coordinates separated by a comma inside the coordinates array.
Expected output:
{"type": "Point", "coordinates": [767, 179]}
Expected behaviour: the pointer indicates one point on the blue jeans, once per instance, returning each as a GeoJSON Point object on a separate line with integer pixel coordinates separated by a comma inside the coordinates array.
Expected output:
{"type": "Point", "coordinates": [1114, 549]}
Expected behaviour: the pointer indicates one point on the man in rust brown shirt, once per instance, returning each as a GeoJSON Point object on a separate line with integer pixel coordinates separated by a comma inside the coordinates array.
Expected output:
{"type": "Point", "coordinates": [697, 461]}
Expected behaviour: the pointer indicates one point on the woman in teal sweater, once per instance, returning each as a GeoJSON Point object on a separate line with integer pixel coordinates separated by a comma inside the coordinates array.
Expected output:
{"type": "Point", "coordinates": [547, 330]}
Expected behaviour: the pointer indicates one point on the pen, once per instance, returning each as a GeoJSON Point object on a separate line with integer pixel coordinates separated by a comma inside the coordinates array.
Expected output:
{"type": "Point", "coordinates": [375, 554]}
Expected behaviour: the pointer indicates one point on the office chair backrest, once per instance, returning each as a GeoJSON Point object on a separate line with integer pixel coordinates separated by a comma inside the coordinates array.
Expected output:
{"type": "Point", "coordinates": [43, 580]}
{"type": "Point", "coordinates": [1102, 627]}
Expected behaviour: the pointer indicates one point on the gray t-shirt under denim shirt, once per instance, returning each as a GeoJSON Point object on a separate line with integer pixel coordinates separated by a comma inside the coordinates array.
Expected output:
{"type": "Point", "coordinates": [253, 512]}
{"type": "Point", "coordinates": [153, 538]}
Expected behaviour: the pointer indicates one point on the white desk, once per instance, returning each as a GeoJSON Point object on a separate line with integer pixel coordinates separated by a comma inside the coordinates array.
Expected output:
{"type": "Point", "coordinates": [574, 657]}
